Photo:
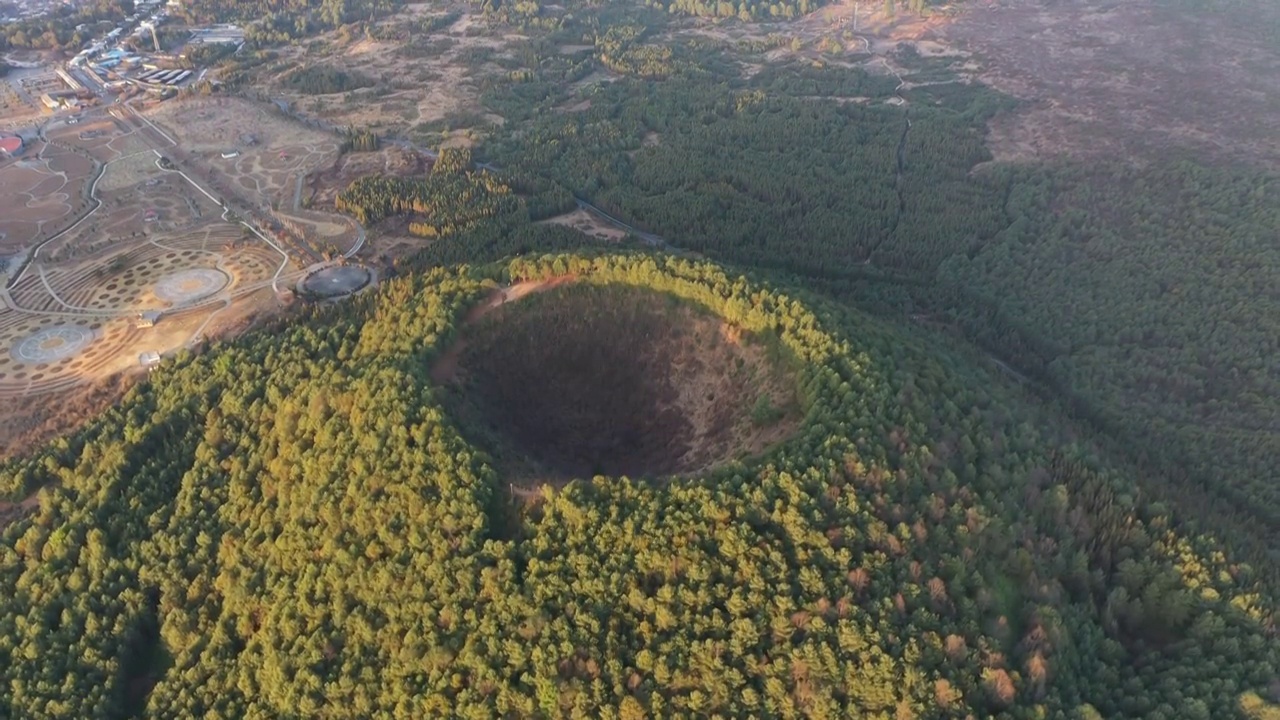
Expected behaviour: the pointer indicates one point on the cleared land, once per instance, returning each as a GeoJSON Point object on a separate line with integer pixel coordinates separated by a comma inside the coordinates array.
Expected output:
{"type": "Point", "coordinates": [100, 234]}
{"type": "Point", "coordinates": [1130, 79]}
{"type": "Point", "coordinates": [591, 224]}
{"type": "Point", "coordinates": [431, 84]}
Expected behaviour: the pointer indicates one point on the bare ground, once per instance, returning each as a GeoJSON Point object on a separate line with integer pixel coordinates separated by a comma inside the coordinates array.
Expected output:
{"type": "Point", "coordinates": [701, 385]}
{"type": "Point", "coordinates": [1105, 79]}
{"type": "Point", "coordinates": [589, 224]}
{"type": "Point", "coordinates": [413, 90]}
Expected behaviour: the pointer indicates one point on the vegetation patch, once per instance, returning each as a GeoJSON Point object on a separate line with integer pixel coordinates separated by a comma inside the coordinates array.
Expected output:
{"type": "Point", "coordinates": [321, 80]}
{"type": "Point", "coordinates": [450, 199]}
{"type": "Point", "coordinates": [587, 380]}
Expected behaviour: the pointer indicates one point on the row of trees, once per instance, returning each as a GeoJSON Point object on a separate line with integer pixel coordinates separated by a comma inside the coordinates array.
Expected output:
{"type": "Point", "coordinates": [360, 140]}
{"type": "Point", "coordinates": [284, 21]}
{"type": "Point", "coordinates": [324, 80]}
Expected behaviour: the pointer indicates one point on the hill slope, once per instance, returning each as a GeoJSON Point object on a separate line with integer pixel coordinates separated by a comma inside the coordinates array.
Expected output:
{"type": "Point", "coordinates": [292, 526]}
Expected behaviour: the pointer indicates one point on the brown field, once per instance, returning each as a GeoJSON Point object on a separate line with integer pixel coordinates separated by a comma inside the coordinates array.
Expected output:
{"type": "Point", "coordinates": [1128, 79]}
{"type": "Point", "coordinates": [413, 90]}
{"type": "Point", "coordinates": [324, 185]}
{"type": "Point", "coordinates": [41, 194]}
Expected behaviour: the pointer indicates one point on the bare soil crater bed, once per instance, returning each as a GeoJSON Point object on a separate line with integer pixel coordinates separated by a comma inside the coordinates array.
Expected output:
{"type": "Point", "coordinates": [577, 380]}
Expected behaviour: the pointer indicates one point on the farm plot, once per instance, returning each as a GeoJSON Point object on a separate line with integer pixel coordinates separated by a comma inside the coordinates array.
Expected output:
{"type": "Point", "coordinates": [159, 272]}
{"type": "Point", "coordinates": [41, 194]}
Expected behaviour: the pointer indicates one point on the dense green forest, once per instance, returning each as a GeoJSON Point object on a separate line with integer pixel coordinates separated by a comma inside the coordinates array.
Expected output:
{"type": "Point", "coordinates": [1032, 460]}
{"type": "Point", "coordinates": [450, 199]}
{"type": "Point", "coordinates": [290, 525]}
{"type": "Point", "coordinates": [320, 80]}
{"type": "Point", "coordinates": [1161, 289]}
{"type": "Point", "coordinates": [1142, 300]}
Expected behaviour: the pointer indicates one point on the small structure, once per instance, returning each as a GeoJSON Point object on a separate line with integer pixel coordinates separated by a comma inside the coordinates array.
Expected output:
{"type": "Point", "coordinates": [149, 359]}
{"type": "Point", "coordinates": [228, 154]}
{"type": "Point", "coordinates": [59, 99]}
{"type": "Point", "coordinates": [10, 146]}
{"type": "Point", "coordinates": [147, 318]}
{"type": "Point", "coordinates": [66, 78]}
{"type": "Point", "coordinates": [150, 216]}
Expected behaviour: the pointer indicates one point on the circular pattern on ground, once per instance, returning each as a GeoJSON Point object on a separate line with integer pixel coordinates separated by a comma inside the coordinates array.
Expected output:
{"type": "Point", "coordinates": [52, 344]}
{"type": "Point", "coordinates": [336, 281]}
{"type": "Point", "coordinates": [190, 285]}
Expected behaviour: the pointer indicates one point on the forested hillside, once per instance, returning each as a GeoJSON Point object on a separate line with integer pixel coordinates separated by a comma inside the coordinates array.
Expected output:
{"type": "Point", "coordinates": [1141, 299]}
{"type": "Point", "coordinates": [1163, 301]}
{"type": "Point", "coordinates": [273, 21]}
{"type": "Point", "coordinates": [291, 525]}
{"type": "Point", "coordinates": [855, 421]}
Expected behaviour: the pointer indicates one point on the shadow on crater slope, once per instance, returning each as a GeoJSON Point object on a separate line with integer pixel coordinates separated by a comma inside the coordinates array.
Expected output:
{"type": "Point", "coordinates": [586, 380]}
